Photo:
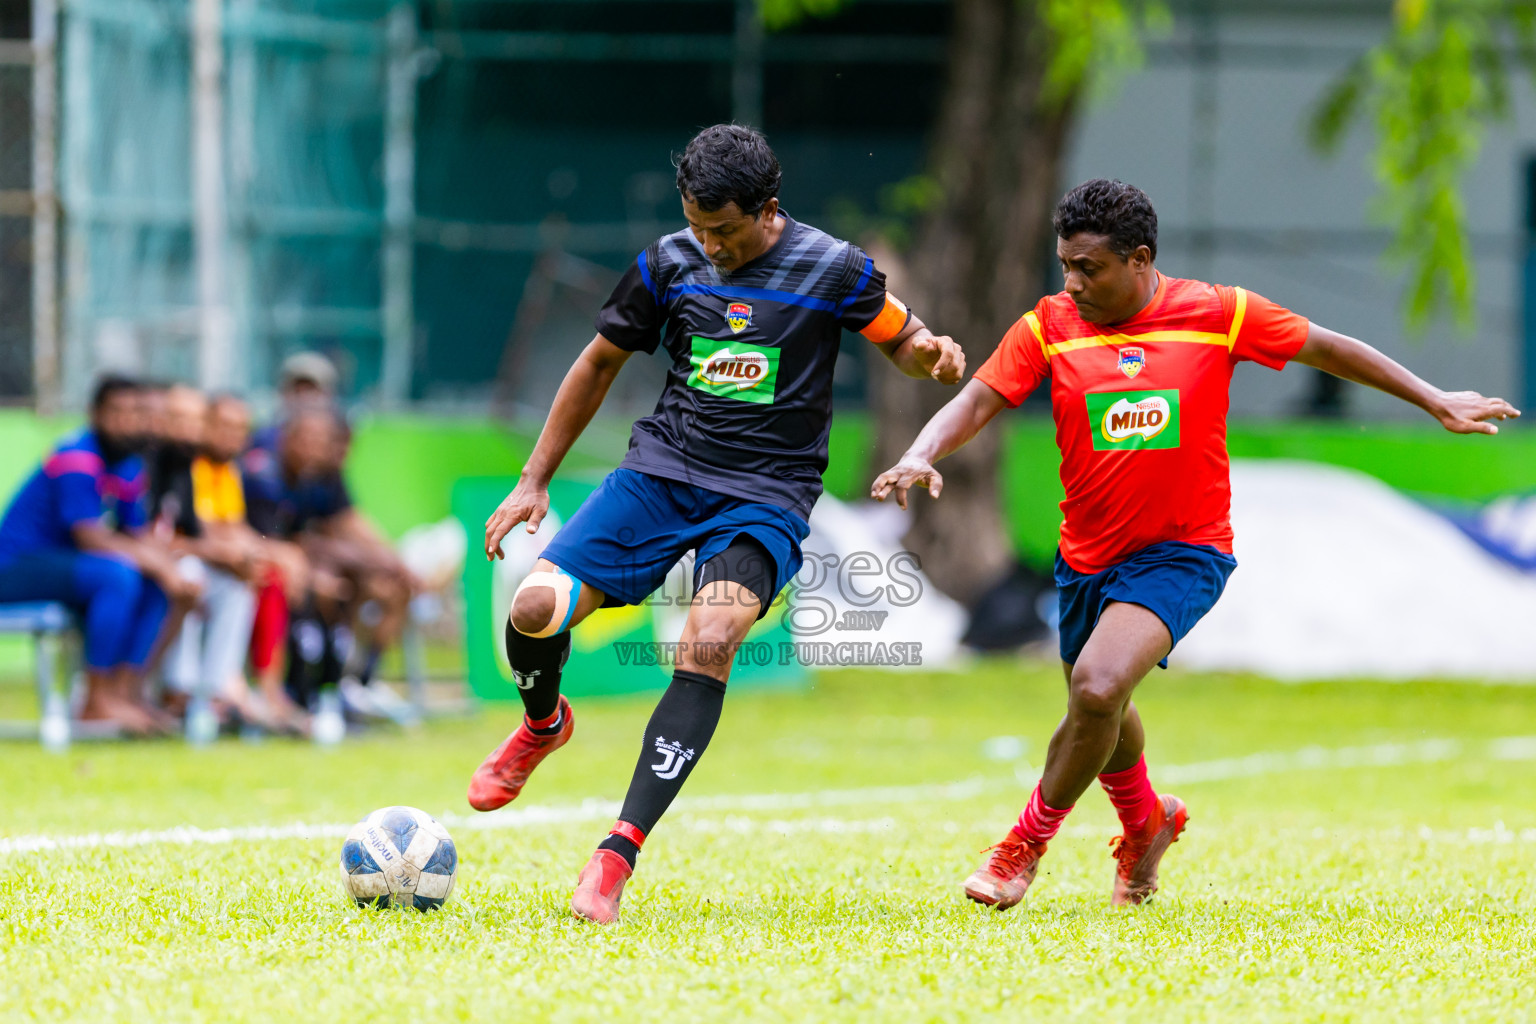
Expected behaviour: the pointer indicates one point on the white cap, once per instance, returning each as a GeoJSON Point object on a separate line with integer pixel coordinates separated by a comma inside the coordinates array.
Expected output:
{"type": "Point", "coordinates": [308, 366]}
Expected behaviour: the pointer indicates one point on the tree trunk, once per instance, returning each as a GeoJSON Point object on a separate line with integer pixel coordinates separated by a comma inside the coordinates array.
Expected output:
{"type": "Point", "coordinates": [979, 264]}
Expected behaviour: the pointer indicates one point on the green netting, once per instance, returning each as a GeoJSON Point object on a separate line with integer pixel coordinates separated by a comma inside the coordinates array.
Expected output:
{"type": "Point", "coordinates": [302, 137]}
{"type": "Point", "coordinates": [539, 135]}
{"type": "Point", "coordinates": [15, 230]}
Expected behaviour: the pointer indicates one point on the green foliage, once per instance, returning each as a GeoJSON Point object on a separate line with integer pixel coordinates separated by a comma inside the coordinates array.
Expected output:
{"type": "Point", "coordinates": [1095, 42]}
{"type": "Point", "coordinates": [901, 206]}
{"type": "Point", "coordinates": [1431, 89]}
{"type": "Point", "coordinates": [1389, 891]}
{"type": "Point", "coordinates": [780, 14]}
{"type": "Point", "coordinates": [1092, 42]}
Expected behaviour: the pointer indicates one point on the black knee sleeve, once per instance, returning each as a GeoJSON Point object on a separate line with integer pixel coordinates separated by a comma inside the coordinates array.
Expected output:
{"type": "Point", "coordinates": [747, 562]}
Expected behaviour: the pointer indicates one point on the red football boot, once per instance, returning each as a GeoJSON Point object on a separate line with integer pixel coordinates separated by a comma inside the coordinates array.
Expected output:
{"type": "Point", "coordinates": [501, 776]}
{"type": "Point", "coordinates": [600, 886]}
{"type": "Point", "coordinates": [1003, 879]}
{"type": "Point", "coordinates": [1137, 856]}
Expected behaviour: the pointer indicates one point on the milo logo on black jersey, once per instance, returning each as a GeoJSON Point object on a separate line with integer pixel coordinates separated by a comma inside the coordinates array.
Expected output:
{"type": "Point", "coordinates": [734, 369]}
{"type": "Point", "coordinates": [1133, 420]}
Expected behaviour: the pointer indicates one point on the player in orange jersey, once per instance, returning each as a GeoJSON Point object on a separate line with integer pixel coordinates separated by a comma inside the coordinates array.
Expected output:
{"type": "Point", "coordinates": [1139, 366]}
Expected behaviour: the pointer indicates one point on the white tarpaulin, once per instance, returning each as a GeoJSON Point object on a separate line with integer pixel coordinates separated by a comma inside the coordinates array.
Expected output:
{"type": "Point", "coordinates": [1339, 575]}
{"type": "Point", "coordinates": [862, 573]}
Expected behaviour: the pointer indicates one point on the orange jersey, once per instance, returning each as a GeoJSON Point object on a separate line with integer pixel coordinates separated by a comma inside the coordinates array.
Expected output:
{"type": "Point", "coordinates": [1141, 410]}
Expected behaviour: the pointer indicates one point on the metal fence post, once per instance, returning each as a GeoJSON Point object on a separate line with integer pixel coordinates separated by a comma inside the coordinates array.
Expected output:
{"type": "Point", "coordinates": [210, 212]}
{"type": "Point", "coordinates": [75, 182]}
{"type": "Point", "coordinates": [747, 70]}
{"type": "Point", "coordinates": [45, 206]}
{"type": "Point", "coordinates": [399, 207]}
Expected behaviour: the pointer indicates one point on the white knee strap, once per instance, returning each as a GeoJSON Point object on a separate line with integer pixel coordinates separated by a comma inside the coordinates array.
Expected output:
{"type": "Point", "coordinates": [567, 591]}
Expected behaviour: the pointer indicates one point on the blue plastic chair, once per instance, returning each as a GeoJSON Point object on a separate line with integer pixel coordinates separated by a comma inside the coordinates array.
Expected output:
{"type": "Point", "coordinates": [48, 623]}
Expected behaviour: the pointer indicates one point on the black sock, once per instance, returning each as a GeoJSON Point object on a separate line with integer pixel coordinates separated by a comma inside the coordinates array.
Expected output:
{"type": "Point", "coordinates": [536, 663]}
{"type": "Point", "coordinates": [623, 847]}
{"type": "Point", "coordinates": [339, 644]}
{"type": "Point", "coordinates": [308, 643]}
{"type": "Point", "coordinates": [362, 662]}
{"type": "Point", "coordinates": [371, 657]}
{"type": "Point", "coordinates": [679, 730]}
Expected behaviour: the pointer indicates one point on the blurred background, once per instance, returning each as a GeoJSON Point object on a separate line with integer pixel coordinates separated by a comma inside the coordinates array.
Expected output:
{"type": "Point", "coordinates": [390, 183]}
{"type": "Point", "coordinates": [436, 195]}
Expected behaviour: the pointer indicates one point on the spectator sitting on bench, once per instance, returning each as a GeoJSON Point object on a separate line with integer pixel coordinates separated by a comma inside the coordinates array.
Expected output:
{"type": "Point", "coordinates": [284, 493]}
{"type": "Point", "coordinates": [339, 539]}
{"type": "Point", "coordinates": [208, 656]}
{"type": "Point", "coordinates": [75, 533]}
{"type": "Point", "coordinates": [218, 489]}
{"type": "Point", "coordinates": [351, 545]}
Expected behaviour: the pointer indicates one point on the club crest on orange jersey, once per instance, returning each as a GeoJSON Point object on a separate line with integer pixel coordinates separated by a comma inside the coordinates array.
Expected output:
{"type": "Point", "coordinates": [1132, 360]}
{"type": "Point", "coordinates": [738, 317]}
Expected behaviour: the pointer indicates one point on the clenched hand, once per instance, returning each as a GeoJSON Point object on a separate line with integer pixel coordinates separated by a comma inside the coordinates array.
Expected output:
{"type": "Point", "coordinates": [940, 358]}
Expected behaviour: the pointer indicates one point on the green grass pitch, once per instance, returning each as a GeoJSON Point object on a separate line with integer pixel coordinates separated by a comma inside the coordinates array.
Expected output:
{"type": "Point", "coordinates": [1365, 871]}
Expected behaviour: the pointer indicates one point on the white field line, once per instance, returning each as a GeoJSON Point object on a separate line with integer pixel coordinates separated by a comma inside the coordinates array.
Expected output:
{"type": "Point", "coordinates": [1498, 834]}
{"type": "Point", "coordinates": [1510, 748]}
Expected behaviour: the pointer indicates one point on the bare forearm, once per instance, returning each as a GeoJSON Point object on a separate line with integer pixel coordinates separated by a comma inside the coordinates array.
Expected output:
{"type": "Point", "coordinates": [581, 394]}
{"type": "Point", "coordinates": [950, 428]}
{"type": "Point", "coordinates": [99, 538]}
{"type": "Point", "coordinates": [219, 551]}
{"type": "Point", "coordinates": [1460, 412]}
{"type": "Point", "coordinates": [956, 423]}
{"type": "Point", "coordinates": [148, 557]}
{"type": "Point", "coordinates": [904, 354]}
{"type": "Point", "coordinates": [352, 525]}
{"type": "Point", "coordinates": [1354, 360]}
{"type": "Point", "coordinates": [923, 355]}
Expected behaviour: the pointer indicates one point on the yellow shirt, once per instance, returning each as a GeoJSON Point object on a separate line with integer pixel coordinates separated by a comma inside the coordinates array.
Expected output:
{"type": "Point", "coordinates": [217, 492]}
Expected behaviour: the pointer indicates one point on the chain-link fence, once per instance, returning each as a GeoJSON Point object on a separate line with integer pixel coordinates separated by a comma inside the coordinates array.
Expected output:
{"type": "Point", "coordinates": [437, 194]}
{"type": "Point", "coordinates": [15, 205]}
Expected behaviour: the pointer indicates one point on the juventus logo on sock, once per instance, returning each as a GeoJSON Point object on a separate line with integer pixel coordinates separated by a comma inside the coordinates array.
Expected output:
{"type": "Point", "coordinates": [525, 680]}
{"type": "Point", "coordinates": [687, 712]}
{"type": "Point", "coordinates": [673, 757]}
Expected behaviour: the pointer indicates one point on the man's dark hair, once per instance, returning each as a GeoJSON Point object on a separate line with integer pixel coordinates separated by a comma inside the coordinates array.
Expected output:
{"type": "Point", "coordinates": [729, 163]}
{"type": "Point", "coordinates": [1113, 208]}
{"type": "Point", "coordinates": [109, 386]}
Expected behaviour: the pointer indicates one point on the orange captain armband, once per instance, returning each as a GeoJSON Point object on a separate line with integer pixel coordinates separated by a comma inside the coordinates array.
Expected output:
{"type": "Point", "coordinates": [889, 324]}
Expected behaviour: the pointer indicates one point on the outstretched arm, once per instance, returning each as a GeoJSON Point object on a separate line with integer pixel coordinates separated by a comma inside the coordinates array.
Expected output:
{"type": "Point", "coordinates": [1460, 412]}
{"type": "Point", "coordinates": [951, 427]}
{"type": "Point", "coordinates": [918, 352]}
{"type": "Point", "coordinates": [581, 393]}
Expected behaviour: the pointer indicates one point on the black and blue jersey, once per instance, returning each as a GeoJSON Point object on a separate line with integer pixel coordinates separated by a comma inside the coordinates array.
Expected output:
{"type": "Point", "coordinates": [747, 406]}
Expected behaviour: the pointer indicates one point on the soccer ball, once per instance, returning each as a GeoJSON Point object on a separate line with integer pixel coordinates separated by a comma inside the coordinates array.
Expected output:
{"type": "Point", "coordinates": [399, 856]}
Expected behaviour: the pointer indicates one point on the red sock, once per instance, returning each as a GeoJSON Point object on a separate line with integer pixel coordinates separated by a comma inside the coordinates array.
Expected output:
{"type": "Point", "coordinates": [1039, 821]}
{"type": "Point", "coordinates": [544, 724]}
{"type": "Point", "coordinates": [1131, 794]}
{"type": "Point", "coordinates": [269, 628]}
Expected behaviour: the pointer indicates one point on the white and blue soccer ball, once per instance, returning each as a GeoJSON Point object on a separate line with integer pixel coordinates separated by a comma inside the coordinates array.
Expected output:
{"type": "Point", "coordinates": [401, 857]}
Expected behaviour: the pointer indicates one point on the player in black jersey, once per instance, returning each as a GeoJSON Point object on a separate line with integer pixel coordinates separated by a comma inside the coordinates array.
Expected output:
{"type": "Point", "coordinates": [749, 305]}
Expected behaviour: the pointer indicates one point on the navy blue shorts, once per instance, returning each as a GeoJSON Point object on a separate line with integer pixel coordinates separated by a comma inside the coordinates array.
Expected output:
{"type": "Point", "coordinates": [632, 530]}
{"type": "Point", "coordinates": [1175, 581]}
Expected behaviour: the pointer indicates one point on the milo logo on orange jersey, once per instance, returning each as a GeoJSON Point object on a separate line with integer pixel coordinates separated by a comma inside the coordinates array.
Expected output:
{"type": "Point", "coordinates": [1133, 420]}
{"type": "Point", "coordinates": [733, 369]}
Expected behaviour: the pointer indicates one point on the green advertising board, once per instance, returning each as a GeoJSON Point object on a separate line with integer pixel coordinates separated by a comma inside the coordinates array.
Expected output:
{"type": "Point", "coordinates": [614, 650]}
